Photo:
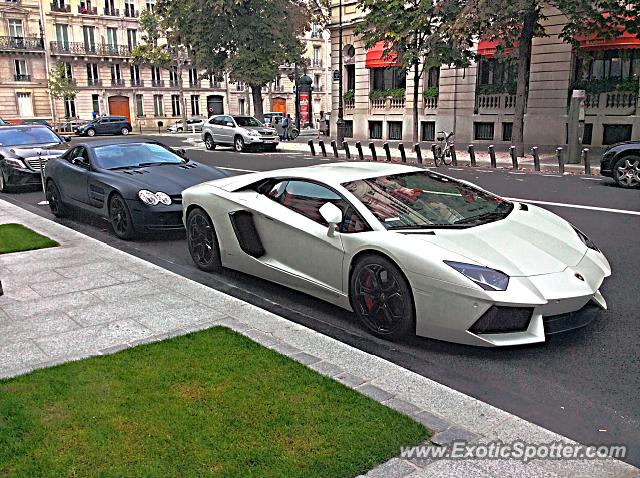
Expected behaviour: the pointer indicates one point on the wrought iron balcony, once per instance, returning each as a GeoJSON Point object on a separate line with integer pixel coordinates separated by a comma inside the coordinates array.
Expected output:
{"type": "Point", "coordinates": [59, 7]}
{"type": "Point", "coordinates": [316, 63]}
{"type": "Point", "coordinates": [21, 77]}
{"type": "Point", "coordinates": [94, 82]}
{"type": "Point", "coordinates": [137, 82]}
{"type": "Point", "coordinates": [215, 84]}
{"type": "Point", "coordinates": [157, 83]}
{"type": "Point", "coordinates": [78, 48]}
{"type": "Point", "coordinates": [194, 84]}
{"type": "Point", "coordinates": [112, 12]}
{"type": "Point", "coordinates": [21, 43]}
{"type": "Point", "coordinates": [87, 10]}
{"type": "Point", "coordinates": [117, 82]}
{"type": "Point", "coordinates": [130, 12]}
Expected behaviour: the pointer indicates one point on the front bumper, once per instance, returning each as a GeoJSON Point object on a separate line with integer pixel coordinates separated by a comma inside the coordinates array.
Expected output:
{"type": "Point", "coordinates": [606, 165]}
{"type": "Point", "coordinates": [22, 177]}
{"type": "Point", "coordinates": [261, 141]}
{"type": "Point", "coordinates": [155, 218]}
{"type": "Point", "coordinates": [556, 302]}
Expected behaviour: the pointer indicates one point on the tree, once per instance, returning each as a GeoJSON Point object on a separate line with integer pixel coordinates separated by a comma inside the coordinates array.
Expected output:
{"type": "Point", "coordinates": [61, 86]}
{"type": "Point", "coordinates": [516, 22]}
{"type": "Point", "coordinates": [417, 32]}
{"type": "Point", "coordinates": [250, 39]}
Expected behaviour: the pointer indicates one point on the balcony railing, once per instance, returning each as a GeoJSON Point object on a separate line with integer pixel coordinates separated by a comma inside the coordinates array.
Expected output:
{"type": "Point", "coordinates": [137, 82]}
{"type": "Point", "coordinates": [494, 102]}
{"type": "Point", "coordinates": [117, 82]}
{"type": "Point", "coordinates": [112, 12]}
{"type": "Point", "coordinates": [240, 87]}
{"type": "Point", "coordinates": [397, 103]}
{"type": "Point", "coordinates": [174, 82]}
{"type": "Point", "coordinates": [318, 89]}
{"type": "Point", "coordinates": [77, 48]}
{"type": "Point", "coordinates": [21, 43]}
{"type": "Point", "coordinates": [387, 103]}
{"type": "Point", "coordinates": [131, 13]}
{"type": "Point", "coordinates": [94, 82]}
{"type": "Point", "coordinates": [349, 104]}
{"type": "Point", "coordinates": [378, 104]}
{"type": "Point", "coordinates": [215, 84]}
{"type": "Point", "coordinates": [278, 88]}
{"type": "Point", "coordinates": [316, 63]}
{"type": "Point", "coordinates": [157, 83]}
{"type": "Point", "coordinates": [612, 102]}
{"type": "Point", "coordinates": [59, 7]}
{"type": "Point", "coordinates": [87, 10]}
{"type": "Point", "coordinates": [430, 103]}
{"type": "Point", "coordinates": [194, 84]}
{"type": "Point", "coordinates": [21, 77]}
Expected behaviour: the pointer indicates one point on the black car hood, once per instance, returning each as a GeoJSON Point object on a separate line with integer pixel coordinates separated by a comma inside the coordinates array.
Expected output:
{"type": "Point", "coordinates": [47, 150]}
{"type": "Point", "coordinates": [635, 143]}
{"type": "Point", "coordinates": [171, 179]}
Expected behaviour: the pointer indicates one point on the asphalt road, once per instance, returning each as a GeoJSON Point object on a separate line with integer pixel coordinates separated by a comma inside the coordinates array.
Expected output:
{"type": "Point", "coordinates": [583, 384]}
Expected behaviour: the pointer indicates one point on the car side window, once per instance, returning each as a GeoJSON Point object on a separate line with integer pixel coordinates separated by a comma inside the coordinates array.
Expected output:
{"type": "Point", "coordinates": [227, 119]}
{"type": "Point", "coordinates": [72, 153]}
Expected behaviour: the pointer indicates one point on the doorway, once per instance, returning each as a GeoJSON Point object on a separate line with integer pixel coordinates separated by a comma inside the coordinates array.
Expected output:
{"type": "Point", "coordinates": [119, 106]}
{"type": "Point", "coordinates": [279, 105]}
{"type": "Point", "coordinates": [215, 105]}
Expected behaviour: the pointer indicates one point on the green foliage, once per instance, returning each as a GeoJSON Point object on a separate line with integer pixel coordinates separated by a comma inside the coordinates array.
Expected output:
{"type": "Point", "coordinates": [397, 93]}
{"type": "Point", "coordinates": [349, 95]}
{"type": "Point", "coordinates": [377, 94]}
{"type": "Point", "coordinates": [17, 238]}
{"type": "Point", "coordinates": [153, 50]}
{"type": "Point", "coordinates": [430, 92]}
{"type": "Point", "coordinates": [595, 87]}
{"type": "Point", "coordinates": [497, 88]}
{"type": "Point", "coordinates": [60, 86]}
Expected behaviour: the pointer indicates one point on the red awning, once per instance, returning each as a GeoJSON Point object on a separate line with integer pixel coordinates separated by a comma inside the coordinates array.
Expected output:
{"type": "Point", "coordinates": [488, 48]}
{"type": "Point", "coordinates": [625, 41]}
{"type": "Point", "coordinates": [376, 59]}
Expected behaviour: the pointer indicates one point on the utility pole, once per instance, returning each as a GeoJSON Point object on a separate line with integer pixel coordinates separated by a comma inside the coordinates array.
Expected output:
{"type": "Point", "coordinates": [340, 121]}
{"type": "Point", "coordinates": [297, 95]}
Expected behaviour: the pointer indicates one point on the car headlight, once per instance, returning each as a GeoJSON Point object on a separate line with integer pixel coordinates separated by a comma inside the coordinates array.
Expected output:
{"type": "Point", "coordinates": [253, 133]}
{"type": "Point", "coordinates": [485, 277]}
{"type": "Point", "coordinates": [585, 240]}
{"type": "Point", "coordinates": [148, 197]}
{"type": "Point", "coordinates": [163, 198]}
{"type": "Point", "coordinates": [15, 162]}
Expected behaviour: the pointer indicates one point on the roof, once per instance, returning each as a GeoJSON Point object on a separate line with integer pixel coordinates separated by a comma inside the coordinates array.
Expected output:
{"type": "Point", "coordinates": [110, 141]}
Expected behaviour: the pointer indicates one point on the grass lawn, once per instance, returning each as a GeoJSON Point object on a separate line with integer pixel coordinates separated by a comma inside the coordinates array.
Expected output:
{"type": "Point", "coordinates": [17, 238]}
{"type": "Point", "coordinates": [212, 403]}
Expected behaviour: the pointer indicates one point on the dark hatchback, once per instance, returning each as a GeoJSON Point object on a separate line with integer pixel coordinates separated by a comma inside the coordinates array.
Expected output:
{"type": "Point", "coordinates": [22, 149]}
{"type": "Point", "coordinates": [135, 184]}
{"type": "Point", "coordinates": [105, 125]}
{"type": "Point", "coordinates": [622, 163]}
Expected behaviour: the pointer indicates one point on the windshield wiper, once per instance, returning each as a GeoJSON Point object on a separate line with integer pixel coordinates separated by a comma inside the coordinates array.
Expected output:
{"type": "Point", "coordinates": [480, 217]}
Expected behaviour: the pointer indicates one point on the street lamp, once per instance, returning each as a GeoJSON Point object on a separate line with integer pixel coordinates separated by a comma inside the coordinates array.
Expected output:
{"type": "Point", "coordinates": [340, 121]}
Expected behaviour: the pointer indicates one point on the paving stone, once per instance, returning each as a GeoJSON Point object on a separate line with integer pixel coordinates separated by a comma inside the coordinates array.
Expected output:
{"type": "Point", "coordinates": [402, 406]}
{"type": "Point", "coordinates": [374, 392]}
{"type": "Point", "coordinates": [44, 305]}
{"type": "Point", "coordinates": [169, 319]}
{"type": "Point", "coordinates": [349, 379]}
{"type": "Point", "coordinates": [260, 337]}
{"type": "Point", "coordinates": [431, 421]}
{"type": "Point", "coordinates": [119, 292]}
{"type": "Point", "coordinates": [108, 312]}
{"type": "Point", "coordinates": [114, 349]}
{"type": "Point", "coordinates": [87, 270]}
{"type": "Point", "coordinates": [20, 354]}
{"type": "Point", "coordinates": [24, 278]}
{"type": "Point", "coordinates": [35, 327]}
{"type": "Point", "coordinates": [394, 468]}
{"type": "Point", "coordinates": [305, 358]}
{"type": "Point", "coordinates": [66, 286]}
{"type": "Point", "coordinates": [454, 434]}
{"type": "Point", "coordinates": [326, 368]}
{"type": "Point", "coordinates": [284, 349]}
{"type": "Point", "coordinates": [454, 469]}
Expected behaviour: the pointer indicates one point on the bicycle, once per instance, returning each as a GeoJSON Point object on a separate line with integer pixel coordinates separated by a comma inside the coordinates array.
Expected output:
{"type": "Point", "coordinates": [442, 150]}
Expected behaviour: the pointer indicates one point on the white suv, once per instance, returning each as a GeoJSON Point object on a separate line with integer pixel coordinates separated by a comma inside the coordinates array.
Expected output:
{"type": "Point", "coordinates": [241, 132]}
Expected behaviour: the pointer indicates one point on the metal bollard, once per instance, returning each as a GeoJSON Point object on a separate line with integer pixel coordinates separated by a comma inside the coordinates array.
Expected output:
{"type": "Point", "coordinates": [387, 153]}
{"type": "Point", "coordinates": [312, 147]}
{"type": "Point", "coordinates": [560, 156]}
{"type": "Point", "coordinates": [472, 155]}
{"type": "Point", "coordinates": [514, 156]}
{"type": "Point", "coordinates": [492, 155]}
{"type": "Point", "coordinates": [334, 146]}
{"type": "Point", "coordinates": [433, 151]}
{"type": "Point", "coordinates": [359, 148]}
{"type": "Point", "coordinates": [403, 154]}
{"type": "Point", "coordinates": [345, 146]}
{"type": "Point", "coordinates": [454, 158]}
{"type": "Point", "coordinates": [374, 156]}
{"type": "Point", "coordinates": [536, 158]}
{"type": "Point", "coordinates": [418, 150]}
{"type": "Point", "coordinates": [585, 159]}
{"type": "Point", "coordinates": [322, 148]}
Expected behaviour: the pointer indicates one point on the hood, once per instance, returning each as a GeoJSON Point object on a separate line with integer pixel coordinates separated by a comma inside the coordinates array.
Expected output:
{"type": "Point", "coordinates": [26, 151]}
{"type": "Point", "coordinates": [171, 179]}
{"type": "Point", "coordinates": [260, 129]}
{"type": "Point", "coordinates": [525, 243]}
{"type": "Point", "coordinates": [623, 143]}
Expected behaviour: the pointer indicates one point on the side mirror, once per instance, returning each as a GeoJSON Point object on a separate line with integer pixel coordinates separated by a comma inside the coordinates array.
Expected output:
{"type": "Point", "coordinates": [331, 214]}
{"type": "Point", "coordinates": [181, 151]}
{"type": "Point", "coordinates": [67, 139]}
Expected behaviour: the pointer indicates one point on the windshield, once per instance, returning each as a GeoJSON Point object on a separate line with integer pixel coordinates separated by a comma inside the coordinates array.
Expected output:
{"type": "Point", "coordinates": [23, 136]}
{"type": "Point", "coordinates": [246, 121]}
{"type": "Point", "coordinates": [425, 200]}
{"type": "Point", "coordinates": [131, 155]}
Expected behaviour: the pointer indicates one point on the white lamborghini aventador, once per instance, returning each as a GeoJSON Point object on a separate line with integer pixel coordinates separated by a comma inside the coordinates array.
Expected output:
{"type": "Point", "coordinates": [408, 250]}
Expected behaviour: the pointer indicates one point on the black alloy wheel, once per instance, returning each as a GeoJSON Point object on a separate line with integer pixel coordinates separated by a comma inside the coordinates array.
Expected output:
{"type": "Point", "coordinates": [381, 298]}
{"type": "Point", "coordinates": [208, 143]}
{"type": "Point", "coordinates": [120, 218]}
{"type": "Point", "coordinates": [54, 198]}
{"type": "Point", "coordinates": [203, 241]}
{"type": "Point", "coordinates": [626, 172]}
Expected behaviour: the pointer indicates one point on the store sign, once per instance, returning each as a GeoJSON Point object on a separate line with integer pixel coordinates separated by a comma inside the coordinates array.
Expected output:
{"type": "Point", "coordinates": [336, 75]}
{"type": "Point", "coordinates": [304, 108]}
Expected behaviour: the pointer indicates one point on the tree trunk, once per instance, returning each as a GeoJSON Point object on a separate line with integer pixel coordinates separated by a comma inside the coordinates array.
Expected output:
{"type": "Point", "coordinates": [256, 94]}
{"type": "Point", "coordinates": [522, 89]}
{"type": "Point", "coordinates": [416, 94]}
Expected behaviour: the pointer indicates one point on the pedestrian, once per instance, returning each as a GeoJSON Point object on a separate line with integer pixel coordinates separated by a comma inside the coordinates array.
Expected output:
{"type": "Point", "coordinates": [285, 128]}
{"type": "Point", "coordinates": [94, 115]}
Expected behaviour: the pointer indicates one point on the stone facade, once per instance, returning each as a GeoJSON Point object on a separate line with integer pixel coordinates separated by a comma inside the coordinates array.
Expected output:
{"type": "Point", "coordinates": [461, 106]}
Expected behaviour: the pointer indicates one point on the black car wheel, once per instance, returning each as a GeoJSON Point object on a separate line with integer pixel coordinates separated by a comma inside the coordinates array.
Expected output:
{"type": "Point", "coordinates": [203, 241]}
{"type": "Point", "coordinates": [626, 172]}
{"type": "Point", "coordinates": [91, 132]}
{"type": "Point", "coordinates": [381, 298]}
{"type": "Point", "coordinates": [58, 209]}
{"type": "Point", "coordinates": [120, 218]}
{"type": "Point", "coordinates": [208, 143]}
{"type": "Point", "coordinates": [4, 187]}
{"type": "Point", "coordinates": [124, 131]}
{"type": "Point", "coordinates": [238, 144]}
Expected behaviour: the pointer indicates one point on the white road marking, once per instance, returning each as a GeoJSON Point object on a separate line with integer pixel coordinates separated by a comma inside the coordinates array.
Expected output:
{"type": "Point", "coordinates": [511, 172]}
{"type": "Point", "coordinates": [237, 169]}
{"type": "Point", "coordinates": [592, 179]}
{"type": "Point", "coordinates": [577, 206]}
{"type": "Point", "coordinates": [553, 175]}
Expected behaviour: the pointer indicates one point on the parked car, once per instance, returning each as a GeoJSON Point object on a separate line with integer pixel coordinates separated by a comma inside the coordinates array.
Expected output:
{"type": "Point", "coordinates": [70, 125]}
{"type": "Point", "coordinates": [192, 123]}
{"type": "Point", "coordinates": [135, 184]}
{"type": "Point", "coordinates": [37, 121]}
{"type": "Point", "coordinates": [241, 132]}
{"type": "Point", "coordinates": [22, 149]}
{"type": "Point", "coordinates": [271, 117]}
{"type": "Point", "coordinates": [105, 125]}
{"type": "Point", "coordinates": [622, 163]}
{"type": "Point", "coordinates": [407, 249]}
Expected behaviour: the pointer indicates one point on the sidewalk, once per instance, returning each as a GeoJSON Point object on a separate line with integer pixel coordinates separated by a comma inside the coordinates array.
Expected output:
{"type": "Point", "coordinates": [85, 298]}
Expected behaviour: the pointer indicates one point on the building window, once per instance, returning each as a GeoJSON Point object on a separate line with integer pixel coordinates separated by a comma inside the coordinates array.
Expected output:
{"type": "Point", "coordinates": [387, 78]}
{"type": "Point", "coordinates": [132, 38]}
{"type": "Point", "coordinates": [139, 107]}
{"type": "Point", "coordinates": [116, 77]}
{"type": "Point", "coordinates": [375, 129]}
{"type": "Point", "coordinates": [433, 77]}
{"type": "Point", "coordinates": [483, 131]}
{"type": "Point", "coordinates": [316, 82]}
{"type": "Point", "coordinates": [62, 36]}
{"type": "Point", "coordinates": [351, 77]}
{"type": "Point", "coordinates": [158, 108]}
{"type": "Point", "coordinates": [315, 30]}
{"type": "Point", "coordinates": [92, 74]}
{"type": "Point", "coordinates": [616, 133]}
{"type": "Point", "coordinates": [89, 36]}
{"type": "Point", "coordinates": [609, 65]}
{"type": "Point", "coordinates": [587, 135]}
{"type": "Point", "coordinates": [68, 71]}
{"type": "Point", "coordinates": [151, 5]}
{"type": "Point", "coordinates": [193, 77]}
{"type": "Point", "coordinates": [16, 32]}
{"type": "Point", "coordinates": [134, 72]}
{"type": "Point", "coordinates": [112, 40]}
{"type": "Point", "coordinates": [507, 131]}
{"type": "Point", "coordinates": [129, 8]}
{"type": "Point", "coordinates": [175, 105]}
{"type": "Point", "coordinates": [428, 131]}
{"type": "Point", "coordinates": [241, 106]}
{"type": "Point", "coordinates": [395, 130]}
{"type": "Point", "coordinates": [317, 60]}
{"type": "Point", "coordinates": [21, 70]}
{"type": "Point", "coordinates": [195, 105]}
{"type": "Point", "coordinates": [25, 105]}
{"type": "Point", "coordinates": [69, 108]}
{"type": "Point", "coordinates": [496, 76]}
{"type": "Point", "coordinates": [95, 102]}
{"type": "Point", "coordinates": [173, 76]}
{"type": "Point", "coordinates": [348, 128]}
{"type": "Point", "coordinates": [156, 78]}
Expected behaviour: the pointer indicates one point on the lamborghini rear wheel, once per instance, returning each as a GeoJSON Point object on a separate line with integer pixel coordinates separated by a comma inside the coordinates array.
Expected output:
{"type": "Point", "coordinates": [381, 298]}
{"type": "Point", "coordinates": [203, 241]}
